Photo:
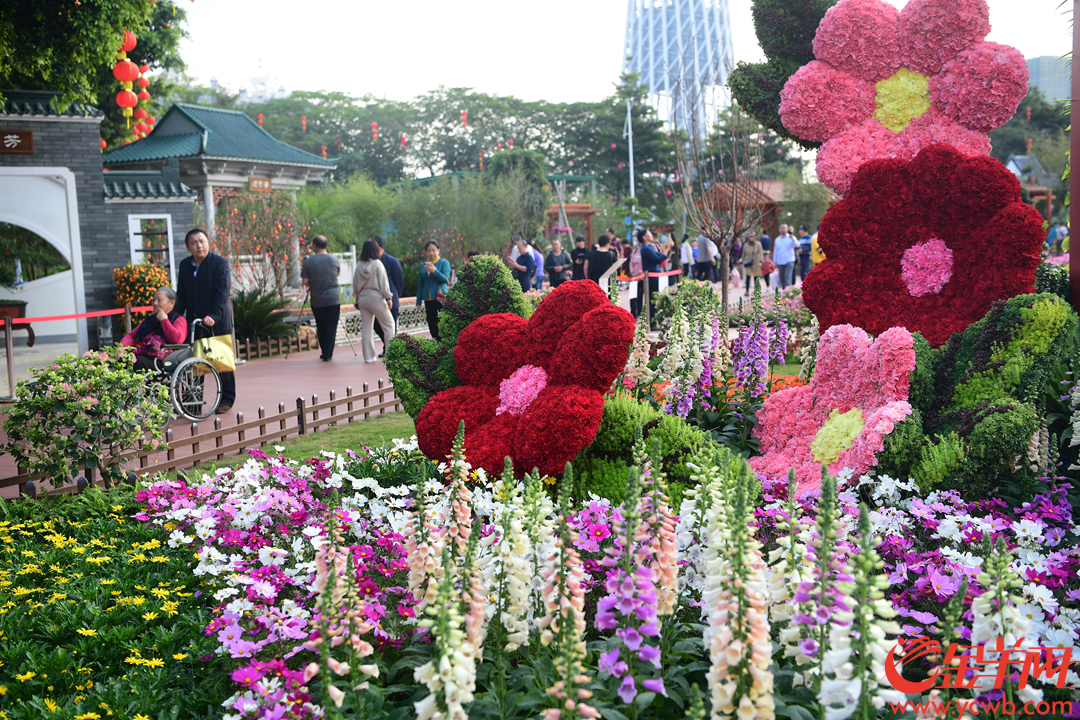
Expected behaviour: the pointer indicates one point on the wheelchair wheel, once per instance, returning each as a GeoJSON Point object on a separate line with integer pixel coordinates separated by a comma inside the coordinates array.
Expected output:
{"type": "Point", "coordinates": [195, 389]}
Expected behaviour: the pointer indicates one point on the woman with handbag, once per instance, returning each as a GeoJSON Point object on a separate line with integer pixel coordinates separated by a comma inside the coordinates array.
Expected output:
{"type": "Point", "coordinates": [431, 288]}
{"type": "Point", "coordinates": [373, 297]}
{"type": "Point", "coordinates": [752, 257]}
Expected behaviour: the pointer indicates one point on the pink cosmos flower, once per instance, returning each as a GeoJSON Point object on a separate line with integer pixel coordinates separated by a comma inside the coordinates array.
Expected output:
{"type": "Point", "coordinates": [886, 83]}
{"type": "Point", "coordinates": [857, 395]}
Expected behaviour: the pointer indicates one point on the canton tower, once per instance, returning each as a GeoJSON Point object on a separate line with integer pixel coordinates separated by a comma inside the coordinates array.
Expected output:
{"type": "Point", "coordinates": [681, 49]}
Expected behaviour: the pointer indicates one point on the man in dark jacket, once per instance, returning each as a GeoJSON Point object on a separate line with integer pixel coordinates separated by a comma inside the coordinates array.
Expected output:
{"type": "Point", "coordinates": [397, 286]}
{"type": "Point", "coordinates": [203, 283]}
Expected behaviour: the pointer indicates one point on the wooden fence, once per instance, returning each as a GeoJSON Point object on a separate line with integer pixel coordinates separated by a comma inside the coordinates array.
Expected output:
{"type": "Point", "coordinates": [221, 442]}
{"type": "Point", "coordinates": [250, 349]}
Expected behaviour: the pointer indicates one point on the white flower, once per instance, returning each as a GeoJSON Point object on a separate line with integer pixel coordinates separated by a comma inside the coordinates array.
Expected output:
{"type": "Point", "coordinates": [1041, 595]}
{"type": "Point", "coordinates": [1027, 531]}
{"type": "Point", "coordinates": [949, 529]}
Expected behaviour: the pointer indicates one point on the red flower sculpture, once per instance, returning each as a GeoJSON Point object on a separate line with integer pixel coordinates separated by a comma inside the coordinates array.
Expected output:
{"type": "Point", "coordinates": [533, 390]}
{"type": "Point", "coordinates": [928, 245]}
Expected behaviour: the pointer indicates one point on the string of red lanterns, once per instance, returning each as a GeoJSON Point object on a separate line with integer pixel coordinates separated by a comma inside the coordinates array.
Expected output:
{"type": "Point", "coordinates": [324, 152]}
{"type": "Point", "coordinates": [374, 131]}
{"type": "Point", "coordinates": [126, 72]}
{"type": "Point", "coordinates": [303, 123]}
{"type": "Point", "coordinates": [259, 119]}
{"type": "Point", "coordinates": [464, 118]}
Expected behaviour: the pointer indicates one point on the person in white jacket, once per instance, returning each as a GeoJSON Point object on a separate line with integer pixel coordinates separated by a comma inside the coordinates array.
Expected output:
{"type": "Point", "coordinates": [373, 298]}
{"type": "Point", "coordinates": [686, 256]}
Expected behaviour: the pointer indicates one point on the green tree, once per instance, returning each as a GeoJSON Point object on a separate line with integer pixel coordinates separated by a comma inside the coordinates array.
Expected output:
{"type": "Point", "coordinates": [54, 45]}
{"type": "Point", "coordinates": [1047, 126]}
{"type": "Point", "coordinates": [522, 172]}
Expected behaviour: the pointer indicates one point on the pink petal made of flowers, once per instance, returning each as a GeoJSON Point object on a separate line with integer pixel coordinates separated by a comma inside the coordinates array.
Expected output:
{"type": "Point", "coordinates": [860, 37]}
{"type": "Point", "coordinates": [933, 31]}
{"type": "Point", "coordinates": [981, 87]}
{"type": "Point", "coordinates": [926, 267]}
{"type": "Point", "coordinates": [854, 370]}
{"type": "Point", "coordinates": [818, 102]}
{"type": "Point", "coordinates": [788, 422]}
{"type": "Point", "coordinates": [842, 155]}
{"type": "Point", "coordinates": [935, 127]}
{"type": "Point", "coordinates": [862, 455]}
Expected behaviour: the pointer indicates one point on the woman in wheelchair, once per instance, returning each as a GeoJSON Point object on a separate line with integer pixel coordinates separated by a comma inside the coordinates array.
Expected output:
{"type": "Point", "coordinates": [164, 327]}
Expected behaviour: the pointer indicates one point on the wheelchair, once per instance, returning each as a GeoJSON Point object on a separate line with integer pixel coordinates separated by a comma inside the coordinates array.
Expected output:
{"type": "Point", "coordinates": [194, 385]}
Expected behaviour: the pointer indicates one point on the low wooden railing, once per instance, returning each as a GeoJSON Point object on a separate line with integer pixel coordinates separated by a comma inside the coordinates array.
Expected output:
{"type": "Point", "coordinates": [217, 444]}
{"type": "Point", "coordinates": [252, 348]}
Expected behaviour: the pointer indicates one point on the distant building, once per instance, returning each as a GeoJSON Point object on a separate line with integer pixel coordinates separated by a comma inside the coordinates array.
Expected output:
{"type": "Point", "coordinates": [259, 90]}
{"type": "Point", "coordinates": [1051, 75]}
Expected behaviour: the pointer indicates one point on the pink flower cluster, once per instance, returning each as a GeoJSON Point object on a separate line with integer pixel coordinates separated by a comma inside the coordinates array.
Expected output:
{"type": "Point", "coordinates": [853, 371]}
{"type": "Point", "coordinates": [974, 86]}
{"type": "Point", "coordinates": [926, 267]}
{"type": "Point", "coordinates": [520, 389]}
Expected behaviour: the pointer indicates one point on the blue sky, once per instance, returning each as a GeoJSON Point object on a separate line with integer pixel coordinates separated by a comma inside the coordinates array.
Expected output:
{"type": "Point", "coordinates": [558, 50]}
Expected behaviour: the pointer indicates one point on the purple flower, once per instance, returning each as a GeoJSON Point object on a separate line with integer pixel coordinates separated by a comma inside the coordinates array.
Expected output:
{"type": "Point", "coordinates": [650, 653]}
{"type": "Point", "coordinates": [628, 691]}
{"type": "Point", "coordinates": [610, 663]}
{"type": "Point", "coordinates": [808, 647]}
{"type": "Point", "coordinates": [630, 636]}
{"type": "Point", "coordinates": [656, 686]}
{"type": "Point", "coordinates": [605, 618]}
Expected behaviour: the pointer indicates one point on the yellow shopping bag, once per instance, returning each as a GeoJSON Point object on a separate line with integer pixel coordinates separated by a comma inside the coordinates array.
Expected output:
{"type": "Point", "coordinates": [218, 351]}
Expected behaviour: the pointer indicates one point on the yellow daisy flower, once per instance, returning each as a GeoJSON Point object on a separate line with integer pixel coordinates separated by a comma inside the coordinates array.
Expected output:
{"type": "Point", "coordinates": [149, 616]}
{"type": "Point", "coordinates": [51, 705]}
{"type": "Point", "coordinates": [88, 632]}
{"type": "Point", "coordinates": [179, 656]}
{"type": "Point", "coordinates": [26, 676]}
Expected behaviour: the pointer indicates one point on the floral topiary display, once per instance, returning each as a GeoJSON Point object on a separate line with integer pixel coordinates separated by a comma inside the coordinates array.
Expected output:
{"type": "Point", "coordinates": [978, 399]}
{"type": "Point", "coordinates": [887, 83]}
{"type": "Point", "coordinates": [532, 389]}
{"type": "Point", "coordinates": [420, 367]}
{"type": "Point", "coordinates": [859, 392]}
{"type": "Point", "coordinates": [929, 245]}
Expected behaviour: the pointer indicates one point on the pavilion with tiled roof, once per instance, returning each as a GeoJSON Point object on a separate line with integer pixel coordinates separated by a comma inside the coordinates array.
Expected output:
{"type": "Point", "coordinates": [219, 152]}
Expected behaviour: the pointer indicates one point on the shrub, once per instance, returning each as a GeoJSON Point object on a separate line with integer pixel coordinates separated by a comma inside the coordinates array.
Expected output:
{"type": "Point", "coordinates": [690, 293]}
{"type": "Point", "coordinates": [1053, 278]}
{"type": "Point", "coordinates": [419, 368]}
{"type": "Point", "coordinates": [260, 314]}
{"type": "Point", "coordinates": [85, 412]}
{"type": "Point", "coordinates": [135, 287]}
{"type": "Point", "coordinates": [601, 467]}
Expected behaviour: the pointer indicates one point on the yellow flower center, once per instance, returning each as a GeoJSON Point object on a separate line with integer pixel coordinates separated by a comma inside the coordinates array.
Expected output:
{"type": "Point", "coordinates": [901, 98]}
{"type": "Point", "coordinates": [836, 435]}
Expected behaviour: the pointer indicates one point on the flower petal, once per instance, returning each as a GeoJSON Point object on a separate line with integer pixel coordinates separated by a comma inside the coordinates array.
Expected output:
{"type": "Point", "coordinates": [557, 425]}
{"type": "Point", "coordinates": [593, 352]}
{"type": "Point", "coordinates": [489, 349]}
{"type": "Point", "coordinates": [862, 455]}
{"type": "Point", "coordinates": [490, 444]}
{"type": "Point", "coordinates": [981, 87]}
{"type": "Point", "coordinates": [933, 31]}
{"type": "Point", "coordinates": [842, 155]}
{"type": "Point", "coordinates": [819, 101]}
{"type": "Point", "coordinates": [860, 37]}
{"type": "Point", "coordinates": [437, 423]}
{"type": "Point", "coordinates": [558, 312]}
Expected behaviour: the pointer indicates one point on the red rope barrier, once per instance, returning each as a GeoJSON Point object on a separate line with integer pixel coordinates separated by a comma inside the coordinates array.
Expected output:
{"type": "Point", "coordinates": [626, 278]}
{"type": "Point", "coordinates": [96, 313]}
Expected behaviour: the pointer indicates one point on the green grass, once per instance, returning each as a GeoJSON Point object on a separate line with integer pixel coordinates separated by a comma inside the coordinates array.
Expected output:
{"type": "Point", "coordinates": [379, 430]}
{"type": "Point", "coordinates": [789, 369]}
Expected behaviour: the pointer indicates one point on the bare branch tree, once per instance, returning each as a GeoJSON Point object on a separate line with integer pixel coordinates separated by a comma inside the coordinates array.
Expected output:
{"type": "Point", "coordinates": [719, 157]}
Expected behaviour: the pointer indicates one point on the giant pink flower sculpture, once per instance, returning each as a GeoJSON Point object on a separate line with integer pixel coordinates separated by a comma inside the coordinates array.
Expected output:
{"type": "Point", "coordinates": [886, 83]}
{"type": "Point", "coordinates": [857, 395]}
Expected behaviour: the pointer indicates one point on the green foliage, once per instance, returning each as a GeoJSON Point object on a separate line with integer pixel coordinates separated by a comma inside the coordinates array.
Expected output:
{"type": "Point", "coordinates": [1053, 278]}
{"type": "Point", "coordinates": [347, 213]}
{"type": "Point", "coordinates": [37, 255]}
{"type": "Point", "coordinates": [259, 314]}
{"type": "Point", "coordinates": [485, 286]}
{"type": "Point", "coordinates": [785, 29]}
{"type": "Point", "coordinates": [921, 391]}
{"type": "Point", "coordinates": [689, 293]}
{"type": "Point", "coordinates": [902, 447]}
{"type": "Point", "coordinates": [1001, 434]}
{"type": "Point", "coordinates": [105, 589]}
{"type": "Point", "coordinates": [419, 368]}
{"type": "Point", "coordinates": [938, 461]}
{"type": "Point", "coordinates": [602, 467]}
{"type": "Point", "coordinates": [51, 45]}
{"type": "Point", "coordinates": [85, 412]}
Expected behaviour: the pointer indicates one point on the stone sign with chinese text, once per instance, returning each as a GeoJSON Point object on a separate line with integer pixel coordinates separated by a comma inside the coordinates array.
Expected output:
{"type": "Point", "coordinates": [16, 141]}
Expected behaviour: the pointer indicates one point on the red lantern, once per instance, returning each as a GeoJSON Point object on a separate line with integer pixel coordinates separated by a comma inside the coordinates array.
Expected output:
{"type": "Point", "coordinates": [337, 140]}
{"type": "Point", "coordinates": [402, 142]}
{"type": "Point", "coordinates": [324, 152]}
{"type": "Point", "coordinates": [151, 120]}
{"type": "Point", "coordinates": [139, 128]}
{"type": "Point", "coordinates": [144, 95]}
{"type": "Point", "coordinates": [142, 82]}
{"type": "Point", "coordinates": [144, 69]}
{"type": "Point", "coordinates": [498, 146]}
{"type": "Point", "coordinates": [511, 144]}
{"type": "Point", "coordinates": [103, 144]}
{"type": "Point", "coordinates": [259, 118]}
{"type": "Point", "coordinates": [139, 114]}
{"type": "Point", "coordinates": [128, 43]}
{"type": "Point", "coordinates": [125, 71]}
{"type": "Point", "coordinates": [127, 100]}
